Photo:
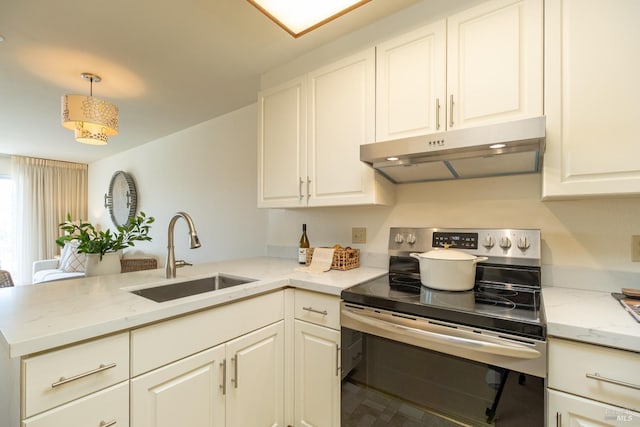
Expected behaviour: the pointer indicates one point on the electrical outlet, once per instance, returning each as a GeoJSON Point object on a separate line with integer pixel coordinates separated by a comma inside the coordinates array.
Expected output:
{"type": "Point", "coordinates": [635, 248]}
{"type": "Point", "coordinates": [358, 235]}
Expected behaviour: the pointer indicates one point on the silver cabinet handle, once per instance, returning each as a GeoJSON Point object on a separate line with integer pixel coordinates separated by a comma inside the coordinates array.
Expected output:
{"type": "Point", "coordinates": [338, 367]}
{"type": "Point", "coordinates": [234, 380]}
{"type": "Point", "coordinates": [107, 423]}
{"type": "Point", "coordinates": [223, 386]}
{"type": "Point", "coordinates": [596, 376]}
{"type": "Point", "coordinates": [313, 310]}
{"type": "Point", "coordinates": [308, 193]}
{"type": "Point", "coordinates": [451, 111]}
{"type": "Point", "coordinates": [558, 419]}
{"type": "Point", "coordinates": [64, 380]}
{"type": "Point", "coordinates": [300, 187]}
{"type": "Point", "coordinates": [437, 113]}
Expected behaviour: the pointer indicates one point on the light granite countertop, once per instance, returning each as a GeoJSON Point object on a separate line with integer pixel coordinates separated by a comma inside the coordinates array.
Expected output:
{"type": "Point", "coordinates": [589, 316]}
{"type": "Point", "coordinates": [39, 317]}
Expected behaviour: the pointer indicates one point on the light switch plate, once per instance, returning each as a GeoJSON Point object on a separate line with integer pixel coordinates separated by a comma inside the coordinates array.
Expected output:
{"type": "Point", "coordinates": [635, 248]}
{"type": "Point", "coordinates": [358, 235]}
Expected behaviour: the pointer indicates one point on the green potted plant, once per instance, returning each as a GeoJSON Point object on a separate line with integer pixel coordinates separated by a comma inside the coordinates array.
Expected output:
{"type": "Point", "coordinates": [98, 243]}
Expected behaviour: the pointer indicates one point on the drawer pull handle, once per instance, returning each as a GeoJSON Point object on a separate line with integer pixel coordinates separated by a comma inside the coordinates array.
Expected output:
{"type": "Point", "coordinates": [64, 380]}
{"type": "Point", "coordinates": [107, 423]}
{"type": "Point", "coordinates": [596, 376]}
{"type": "Point", "coordinates": [313, 310]}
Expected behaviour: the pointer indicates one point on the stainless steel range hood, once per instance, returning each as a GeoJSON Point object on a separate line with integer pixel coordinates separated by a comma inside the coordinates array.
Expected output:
{"type": "Point", "coordinates": [501, 149]}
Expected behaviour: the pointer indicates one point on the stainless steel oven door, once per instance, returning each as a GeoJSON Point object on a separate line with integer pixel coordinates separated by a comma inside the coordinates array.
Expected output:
{"type": "Point", "coordinates": [492, 348]}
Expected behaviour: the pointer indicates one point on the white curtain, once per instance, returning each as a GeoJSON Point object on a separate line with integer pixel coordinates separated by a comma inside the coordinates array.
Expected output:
{"type": "Point", "coordinates": [46, 190]}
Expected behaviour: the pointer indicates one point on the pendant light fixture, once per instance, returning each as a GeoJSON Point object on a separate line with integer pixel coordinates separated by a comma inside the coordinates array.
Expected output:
{"type": "Point", "coordinates": [298, 17]}
{"type": "Point", "coordinates": [92, 119]}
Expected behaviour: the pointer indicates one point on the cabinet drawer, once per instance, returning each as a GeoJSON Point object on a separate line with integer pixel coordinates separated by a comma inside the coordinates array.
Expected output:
{"type": "Point", "coordinates": [59, 376]}
{"type": "Point", "coordinates": [165, 342]}
{"type": "Point", "coordinates": [320, 309]}
{"type": "Point", "coordinates": [106, 407]}
{"type": "Point", "coordinates": [573, 365]}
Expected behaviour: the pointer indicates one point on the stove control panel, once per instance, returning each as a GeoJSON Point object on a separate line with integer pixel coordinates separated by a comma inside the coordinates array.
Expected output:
{"type": "Point", "coordinates": [501, 245]}
{"type": "Point", "coordinates": [454, 240]}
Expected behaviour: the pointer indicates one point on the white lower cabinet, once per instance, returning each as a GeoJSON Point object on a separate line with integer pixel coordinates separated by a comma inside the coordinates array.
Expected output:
{"type": "Point", "coordinates": [184, 393]}
{"type": "Point", "coordinates": [109, 407]}
{"type": "Point", "coordinates": [317, 375]}
{"type": "Point", "coordinates": [566, 410]}
{"type": "Point", "coordinates": [317, 359]}
{"type": "Point", "coordinates": [239, 383]}
{"type": "Point", "coordinates": [591, 385]}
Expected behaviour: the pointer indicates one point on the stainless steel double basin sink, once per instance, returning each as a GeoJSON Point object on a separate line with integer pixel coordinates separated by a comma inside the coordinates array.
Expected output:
{"type": "Point", "coordinates": [191, 287]}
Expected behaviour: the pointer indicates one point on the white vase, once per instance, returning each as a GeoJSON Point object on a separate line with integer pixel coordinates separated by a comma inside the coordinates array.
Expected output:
{"type": "Point", "coordinates": [110, 264]}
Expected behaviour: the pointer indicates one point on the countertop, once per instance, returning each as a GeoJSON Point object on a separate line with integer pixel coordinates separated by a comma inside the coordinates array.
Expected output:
{"type": "Point", "coordinates": [39, 317]}
{"type": "Point", "coordinates": [589, 316]}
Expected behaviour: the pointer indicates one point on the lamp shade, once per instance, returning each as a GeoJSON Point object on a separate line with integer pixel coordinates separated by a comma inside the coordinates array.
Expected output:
{"type": "Point", "coordinates": [92, 119]}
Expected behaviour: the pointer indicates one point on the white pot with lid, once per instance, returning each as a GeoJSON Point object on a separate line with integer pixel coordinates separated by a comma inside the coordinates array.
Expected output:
{"type": "Point", "coordinates": [448, 269]}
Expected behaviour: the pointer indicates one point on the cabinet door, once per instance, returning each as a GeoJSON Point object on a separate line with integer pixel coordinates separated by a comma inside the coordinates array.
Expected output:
{"type": "Point", "coordinates": [566, 410]}
{"type": "Point", "coordinates": [592, 98]}
{"type": "Point", "coordinates": [341, 117]}
{"type": "Point", "coordinates": [255, 380]}
{"type": "Point", "coordinates": [494, 63]}
{"type": "Point", "coordinates": [185, 393]}
{"type": "Point", "coordinates": [410, 83]}
{"type": "Point", "coordinates": [282, 146]}
{"type": "Point", "coordinates": [317, 375]}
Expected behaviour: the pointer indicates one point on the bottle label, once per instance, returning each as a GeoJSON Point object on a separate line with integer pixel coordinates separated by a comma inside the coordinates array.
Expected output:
{"type": "Point", "coordinates": [302, 255]}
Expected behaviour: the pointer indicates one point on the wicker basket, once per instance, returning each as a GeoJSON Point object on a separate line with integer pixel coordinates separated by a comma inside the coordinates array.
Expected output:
{"type": "Point", "coordinates": [343, 258]}
{"type": "Point", "coordinates": [135, 264]}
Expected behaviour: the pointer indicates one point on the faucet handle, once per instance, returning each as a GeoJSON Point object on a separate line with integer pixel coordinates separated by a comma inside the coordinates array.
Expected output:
{"type": "Point", "coordinates": [182, 263]}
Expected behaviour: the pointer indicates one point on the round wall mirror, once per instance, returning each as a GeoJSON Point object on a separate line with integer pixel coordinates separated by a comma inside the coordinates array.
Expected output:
{"type": "Point", "coordinates": [122, 199]}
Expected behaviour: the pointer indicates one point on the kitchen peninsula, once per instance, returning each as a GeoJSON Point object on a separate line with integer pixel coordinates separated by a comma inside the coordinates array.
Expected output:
{"type": "Point", "coordinates": [53, 330]}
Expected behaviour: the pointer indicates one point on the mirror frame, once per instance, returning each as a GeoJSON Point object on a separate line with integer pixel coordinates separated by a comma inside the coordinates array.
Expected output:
{"type": "Point", "coordinates": [122, 199]}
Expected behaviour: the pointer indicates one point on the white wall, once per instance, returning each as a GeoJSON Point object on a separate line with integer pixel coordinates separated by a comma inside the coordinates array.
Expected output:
{"type": "Point", "coordinates": [208, 171]}
{"type": "Point", "coordinates": [586, 243]}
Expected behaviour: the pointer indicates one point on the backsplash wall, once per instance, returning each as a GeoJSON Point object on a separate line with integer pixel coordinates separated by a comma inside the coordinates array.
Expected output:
{"type": "Point", "coordinates": [586, 243]}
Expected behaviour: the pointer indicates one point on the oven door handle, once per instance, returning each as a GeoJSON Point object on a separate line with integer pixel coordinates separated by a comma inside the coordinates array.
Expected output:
{"type": "Point", "coordinates": [495, 346]}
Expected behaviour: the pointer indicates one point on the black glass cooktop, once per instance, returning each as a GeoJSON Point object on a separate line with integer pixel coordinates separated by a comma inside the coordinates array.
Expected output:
{"type": "Point", "coordinates": [501, 310]}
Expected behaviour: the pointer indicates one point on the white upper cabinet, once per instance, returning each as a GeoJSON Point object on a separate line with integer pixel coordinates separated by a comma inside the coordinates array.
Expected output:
{"type": "Point", "coordinates": [592, 98]}
{"type": "Point", "coordinates": [341, 117]}
{"type": "Point", "coordinates": [281, 151]}
{"type": "Point", "coordinates": [309, 154]}
{"type": "Point", "coordinates": [492, 61]}
{"type": "Point", "coordinates": [410, 83]}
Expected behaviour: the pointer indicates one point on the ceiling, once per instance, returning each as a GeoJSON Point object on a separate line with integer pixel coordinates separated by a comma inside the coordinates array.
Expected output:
{"type": "Point", "coordinates": [167, 65]}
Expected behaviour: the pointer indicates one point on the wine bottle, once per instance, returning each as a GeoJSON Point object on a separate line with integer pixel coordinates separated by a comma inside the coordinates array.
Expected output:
{"type": "Point", "coordinates": [304, 245]}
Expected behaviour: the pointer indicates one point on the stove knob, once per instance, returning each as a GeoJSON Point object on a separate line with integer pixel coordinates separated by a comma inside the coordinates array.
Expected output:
{"type": "Point", "coordinates": [488, 242]}
{"type": "Point", "coordinates": [399, 238]}
{"type": "Point", "coordinates": [411, 238]}
{"type": "Point", "coordinates": [523, 243]}
{"type": "Point", "coordinates": [505, 243]}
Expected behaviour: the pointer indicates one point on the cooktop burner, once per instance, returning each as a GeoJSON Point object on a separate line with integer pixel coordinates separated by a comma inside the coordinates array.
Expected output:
{"type": "Point", "coordinates": [506, 296]}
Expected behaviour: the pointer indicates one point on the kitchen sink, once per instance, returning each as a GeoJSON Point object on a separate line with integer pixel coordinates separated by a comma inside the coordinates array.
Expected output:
{"type": "Point", "coordinates": [191, 287]}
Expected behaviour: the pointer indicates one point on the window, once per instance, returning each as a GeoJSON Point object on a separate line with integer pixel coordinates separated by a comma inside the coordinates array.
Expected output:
{"type": "Point", "coordinates": [7, 224]}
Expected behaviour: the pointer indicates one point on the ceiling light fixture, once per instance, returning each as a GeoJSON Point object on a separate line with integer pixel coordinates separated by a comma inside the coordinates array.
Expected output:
{"type": "Point", "coordinates": [92, 119]}
{"type": "Point", "coordinates": [298, 17]}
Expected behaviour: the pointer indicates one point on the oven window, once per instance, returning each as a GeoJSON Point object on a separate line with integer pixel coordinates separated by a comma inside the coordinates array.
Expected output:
{"type": "Point", "coordinates": [391, 383]}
